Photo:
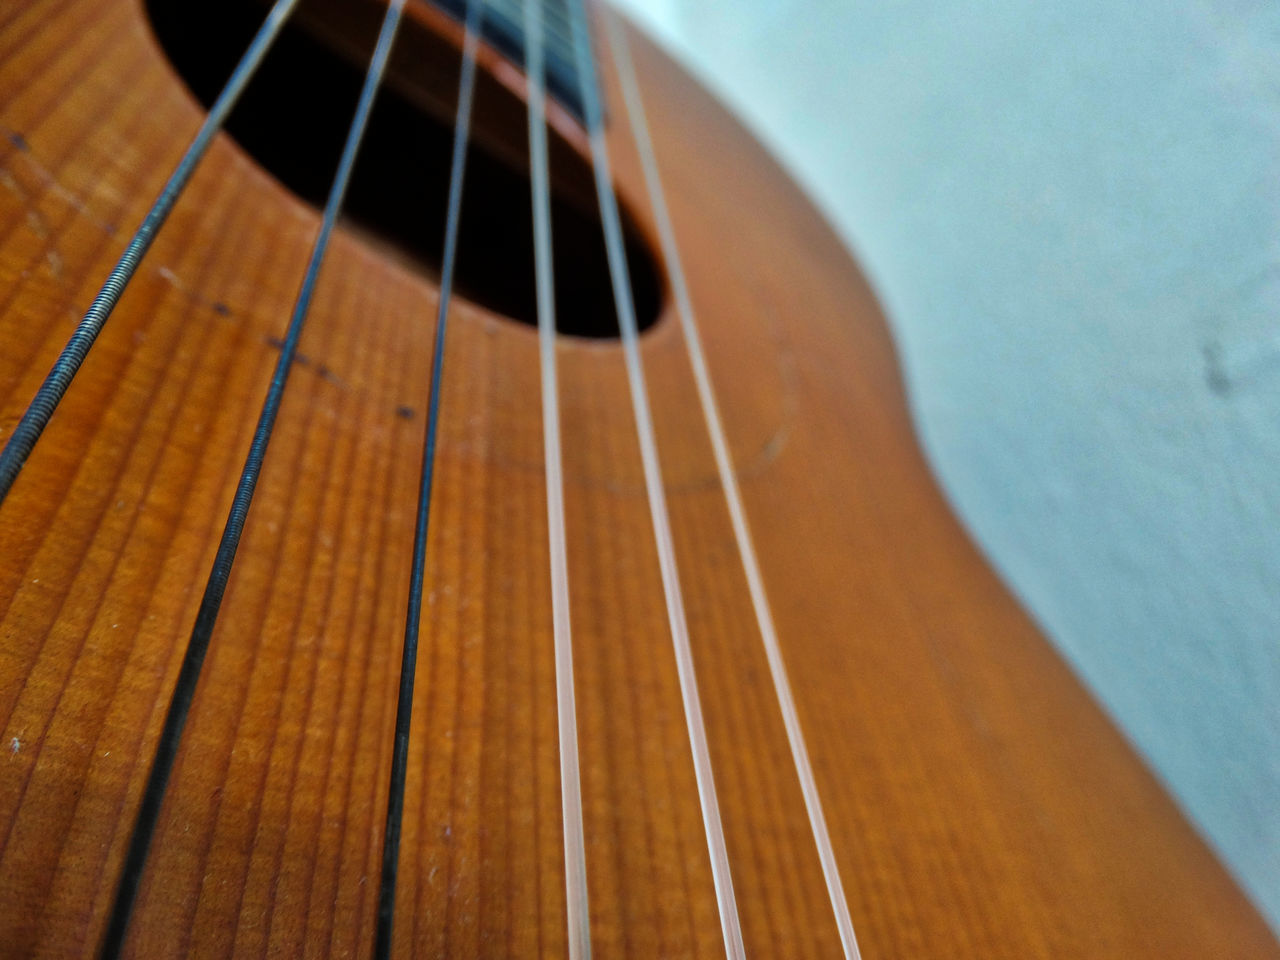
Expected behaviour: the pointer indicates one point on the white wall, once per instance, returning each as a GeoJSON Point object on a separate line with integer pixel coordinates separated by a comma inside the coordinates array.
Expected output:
{"type": "Point", "coordinates": [1070, 210]}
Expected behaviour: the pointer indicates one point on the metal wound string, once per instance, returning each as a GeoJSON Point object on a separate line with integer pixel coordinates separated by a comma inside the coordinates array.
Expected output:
{"type": "Point", "coordinates": [38, 413]}
{"type": "Point", "coordinates": [193, 659]}
{"type": "Point", "coordinates": [575, 860]}
{"type": "Point", "coordinates": [729, 483]}
{"type": "Point", "coordinates": [413, 616]}
{"type": "Point", "coordinates": [730, 924]}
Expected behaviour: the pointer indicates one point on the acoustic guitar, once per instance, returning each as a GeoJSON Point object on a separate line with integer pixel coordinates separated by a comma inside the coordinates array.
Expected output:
{"type": "Point", "coordinates": [459, 501]}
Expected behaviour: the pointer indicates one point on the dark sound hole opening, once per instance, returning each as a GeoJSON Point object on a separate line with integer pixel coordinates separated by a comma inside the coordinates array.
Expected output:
{"type": "Point", "coordinates": [293, 118]}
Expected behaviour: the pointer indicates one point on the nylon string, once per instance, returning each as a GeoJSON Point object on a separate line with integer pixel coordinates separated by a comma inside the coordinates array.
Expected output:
{"type": "Point", "coordinates": [730, 924]}
{"type": "Point", "coordinates": [575, 861]}
{"type": "Point", "coordinates": [38, 413]}
{"type": "Point", "coordinates": [193, 659]}
{"type": "Point", "coordinates": [413, 616]}
{"type": "Point", "coordinates": [729, 483]}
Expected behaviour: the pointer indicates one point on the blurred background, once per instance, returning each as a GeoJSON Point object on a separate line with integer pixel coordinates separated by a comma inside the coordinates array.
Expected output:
{"type": "Point", "coordinates": [1071, 213]}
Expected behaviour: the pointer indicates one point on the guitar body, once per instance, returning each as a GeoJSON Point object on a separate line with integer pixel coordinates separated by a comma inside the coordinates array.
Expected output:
{"type": "Point", "coordinates": [979, 802]}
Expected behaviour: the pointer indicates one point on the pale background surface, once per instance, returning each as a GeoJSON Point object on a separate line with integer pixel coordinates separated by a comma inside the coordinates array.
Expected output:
{"type": "Point", "coordinates": [1071, 211]}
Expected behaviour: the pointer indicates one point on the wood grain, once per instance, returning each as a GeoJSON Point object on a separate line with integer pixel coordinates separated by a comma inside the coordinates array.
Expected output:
{"type": "Point", "coordinates": [980, 803]}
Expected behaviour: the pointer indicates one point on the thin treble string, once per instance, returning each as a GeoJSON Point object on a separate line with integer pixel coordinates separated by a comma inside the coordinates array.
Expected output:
{"type": "Point", "coordinates": [413, 616]}
{"type": "Point", "coordinates": [575, 858]}
{"type": "Point", "coordinates": [28, 430]}
{"type": "Point", "coordinates": [730, 924]}
{"type": "Point", "coordinates": [193, 659]}
{"type": "Point", "coordinates": [729, 483]}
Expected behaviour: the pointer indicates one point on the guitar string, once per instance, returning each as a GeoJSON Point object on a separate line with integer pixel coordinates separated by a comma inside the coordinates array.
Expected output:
{"type": "Point", "coordinates": [42, 406]}
{"type": "Point", "coordinates": [194, 656]}
{"type": "Point", "coordinates": [51, 392]}
{"type": "Point", "coordinates": [730, 923]}
{"type": "Point", "coordinates": [413, 616]}
{"type": "Point", "coordinates": [575, 860]}
{"type": "Point", "coordinates": [729, 483]}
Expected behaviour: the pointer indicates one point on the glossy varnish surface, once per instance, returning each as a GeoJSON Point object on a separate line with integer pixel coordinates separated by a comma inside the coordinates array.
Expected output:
{"type": "Point", "coordinates": [980, 804]}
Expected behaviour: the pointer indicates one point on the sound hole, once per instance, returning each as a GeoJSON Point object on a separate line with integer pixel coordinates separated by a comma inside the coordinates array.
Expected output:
{"type": "Point", "coordinates": [293, 118]}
